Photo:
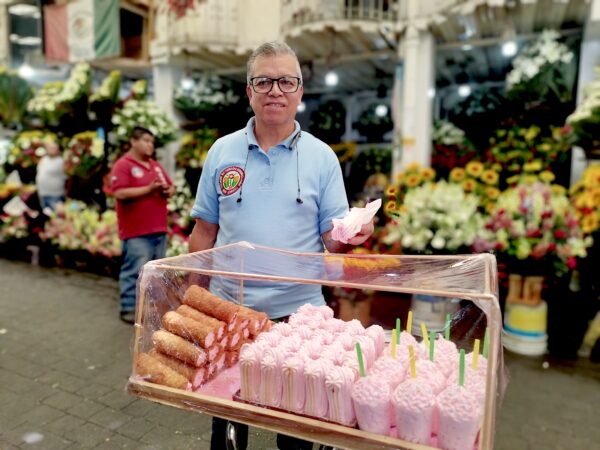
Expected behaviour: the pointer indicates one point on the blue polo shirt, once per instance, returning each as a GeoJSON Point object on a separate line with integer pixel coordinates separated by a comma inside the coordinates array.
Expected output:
{"type": "Point", "coordinates": [268, 214]}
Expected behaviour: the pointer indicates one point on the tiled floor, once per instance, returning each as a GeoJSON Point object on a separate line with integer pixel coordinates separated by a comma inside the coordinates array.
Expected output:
{"type": "Point", "coordinates": [65, 359]}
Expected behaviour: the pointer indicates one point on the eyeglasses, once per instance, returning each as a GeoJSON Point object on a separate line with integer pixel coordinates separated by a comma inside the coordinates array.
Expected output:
{"type": "Point", "coordinates": [263, 85]}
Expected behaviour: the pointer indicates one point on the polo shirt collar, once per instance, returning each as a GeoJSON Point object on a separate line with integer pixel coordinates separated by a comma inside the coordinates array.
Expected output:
{"type": "Point", "coordinates": [253, 143]}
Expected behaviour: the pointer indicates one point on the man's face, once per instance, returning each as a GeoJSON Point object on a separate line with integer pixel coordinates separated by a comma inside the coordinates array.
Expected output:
{"type": "Point", "coordinates": [144, 146]}
{"type": "Point", "coordinates": [275, 108]}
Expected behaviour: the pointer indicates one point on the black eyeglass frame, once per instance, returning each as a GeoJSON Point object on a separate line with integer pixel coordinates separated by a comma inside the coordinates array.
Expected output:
{"type": "Point", "coordinates": [273, 81]}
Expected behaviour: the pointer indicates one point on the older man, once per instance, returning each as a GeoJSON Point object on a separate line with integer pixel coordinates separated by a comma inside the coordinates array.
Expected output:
{"type": "Point", "coordinates": [271, 184]}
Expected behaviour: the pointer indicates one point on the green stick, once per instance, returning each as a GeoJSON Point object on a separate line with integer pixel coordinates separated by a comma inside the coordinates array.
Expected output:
{"type": "Point", "coordinates": [398, 330]}
{"type": "Point", "coordinates": [461, 368]}
{"type": "Point", "coordinates": [431, 344]}
{"type": "Point", "coordinates": [361, 364]}
{"type": "Point", "coordinates": [486, 343]}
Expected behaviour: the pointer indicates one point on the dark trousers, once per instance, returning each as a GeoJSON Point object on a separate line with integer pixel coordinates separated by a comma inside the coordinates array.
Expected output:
{"type": "Point", "coordinates": [219, 438]}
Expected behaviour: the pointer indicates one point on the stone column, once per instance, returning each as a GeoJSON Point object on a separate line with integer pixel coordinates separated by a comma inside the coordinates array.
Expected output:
{"type": "Point", "coordinates": [413, 85]}
{"type": "Point", "coordinates": [166, 76]}
{"type": "Point", "coordinates": [4, 46]}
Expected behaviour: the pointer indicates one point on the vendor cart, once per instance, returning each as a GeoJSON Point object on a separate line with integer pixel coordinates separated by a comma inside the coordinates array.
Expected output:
{"type": "Point", "coordinates": [471, 278]}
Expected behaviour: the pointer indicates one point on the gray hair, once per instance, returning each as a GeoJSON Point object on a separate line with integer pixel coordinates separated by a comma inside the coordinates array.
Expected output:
{"type": "Point", "coordinates": [273, 48]}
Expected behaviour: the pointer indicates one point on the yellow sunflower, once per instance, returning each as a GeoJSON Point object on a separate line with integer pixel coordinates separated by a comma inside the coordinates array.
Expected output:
{"type": "Point", "coordinates": [412, 167]}
{"type": "Point", "coordinates": [589, 223]}
{"type": "Point", "coordinates": [391, 191]}
{"type": "Point", "coordinates": [474, 168]}
{"type": "Point", "coordinates": [558, 189]}
{"type": "Point", "coordinates": [390, 206]}
{"type": "Point", "coordinates": [533, 166]}
{"type": "Point", "coordinates": [413, 180]}
{"type": "Point", "coordinates": [490, 177]}
{"type": "Point", "coordinates": [492, 193]}
{"type": "Point", "coordinates": [469, 185]}
{"type": "Point", "coordinates": [428, 174]}
{"type": "Point", "coordinates": [513, 180]}
{"type": "Point", "coordinates": [457, 174]}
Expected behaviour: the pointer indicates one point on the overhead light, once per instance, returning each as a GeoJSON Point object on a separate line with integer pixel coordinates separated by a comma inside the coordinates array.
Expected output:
{"type": "Point", "coordinates": [431, 93]}
{"type": "Point", "coordinates": [26, 71]}
{"type": "Point", "coordinates": [464, 90]}
{"type": "Point", "coordinates": [187, 83]}
{"type": "Point", "coordinates": [301, 107]}
{"type": "Point", "coordinates": [14, 37]}
{"type": "Point", "coordinates": [509, 48]}
{"type": "Point", "coordinates": [467, 47]}
{"type": "Point", "coordinates": [381, 110]}
{"type": "Point", "coordinates": [23, 9]}
{"type": "Point", "coordinates": [331, 78]}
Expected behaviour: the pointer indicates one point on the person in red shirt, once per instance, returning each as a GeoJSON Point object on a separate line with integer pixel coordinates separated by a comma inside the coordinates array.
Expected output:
{"type": "Point", "coordinates": [141, 187]}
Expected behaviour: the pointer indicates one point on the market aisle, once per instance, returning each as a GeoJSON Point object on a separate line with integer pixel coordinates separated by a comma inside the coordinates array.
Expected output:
{"type": "Point", "coordinates": [65, 359]}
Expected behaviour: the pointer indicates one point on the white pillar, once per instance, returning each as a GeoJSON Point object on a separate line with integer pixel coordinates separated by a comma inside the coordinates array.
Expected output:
{"type": "Point", "coordinates": [417, 55]}
{"type": "Point", "coordinates": [166, 76]}
{"type": "Point", "coordinates": [4, 46]}
{"type": "Point", "coordinates": [588, 60]}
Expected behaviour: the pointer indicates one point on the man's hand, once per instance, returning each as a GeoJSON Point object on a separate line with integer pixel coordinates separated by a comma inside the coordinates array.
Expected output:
{"type": "Point", "coordinates": [168, 190]}
{"type": "Point", "coordinates": [365, 233]}
{"type": "Point", "coordinates": [156, 185]}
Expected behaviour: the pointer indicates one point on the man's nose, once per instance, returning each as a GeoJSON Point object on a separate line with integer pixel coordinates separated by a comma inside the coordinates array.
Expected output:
{"type": "Point", "coordinates": [275, 89]}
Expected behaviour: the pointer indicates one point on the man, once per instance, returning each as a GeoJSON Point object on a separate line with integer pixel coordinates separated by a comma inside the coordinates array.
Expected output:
{"type": "Point", "coordinates": [50, 177]}
{"type": "Point", "coordinates": [271, 184]}
{"type": "Point", "coordinates": [141, 187]}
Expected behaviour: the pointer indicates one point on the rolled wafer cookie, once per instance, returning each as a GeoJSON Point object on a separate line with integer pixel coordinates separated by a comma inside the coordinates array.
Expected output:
{"type": "Point", "coordinates": [256, 319]}
{"type": "Point", "coordinates": [152, 370]}
{"type": "Point", "coordinates": [196, 375]}
{"type": "Point", "coordinates": [188, 311]}
{"type": "Point", "coordinates": [177, 347]}
{"type": "Point", "coordinates": [208, 303]}
{"type": "Point", "coordinates": [190, 329]}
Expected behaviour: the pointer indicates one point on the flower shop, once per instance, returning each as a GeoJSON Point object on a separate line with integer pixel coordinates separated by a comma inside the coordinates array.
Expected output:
{"type": "Point", "coordinates": [498, 178]}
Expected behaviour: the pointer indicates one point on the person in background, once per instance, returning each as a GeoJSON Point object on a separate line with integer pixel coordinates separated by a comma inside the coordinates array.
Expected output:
{"type": "Point", "coordinates": [275, 185]}
{"type": "Point", "coordinates": [50, 177]}
{"type": "Point", "coordinates": [141, 187]}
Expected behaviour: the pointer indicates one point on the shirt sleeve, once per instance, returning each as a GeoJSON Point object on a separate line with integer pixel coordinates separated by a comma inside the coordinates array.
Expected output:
{"type": "Point", "coordinates": [206, 205]}
{"type": "Point", "coordinates": [119, 177]}
{"type": "Point", "coordinates": [334, 203]}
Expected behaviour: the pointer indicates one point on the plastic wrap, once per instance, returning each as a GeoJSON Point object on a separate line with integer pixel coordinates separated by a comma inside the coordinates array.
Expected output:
{"type": "Point", "coordinates": [203, 373]}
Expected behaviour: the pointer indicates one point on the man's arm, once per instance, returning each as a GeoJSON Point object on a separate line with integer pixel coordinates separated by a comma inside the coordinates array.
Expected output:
{"type": "Point", "coordinates": [203, 236]}
{"type": "Point", "coordinates": [128, 193]}
{"type": "Point", "coordinates": [334, 246]}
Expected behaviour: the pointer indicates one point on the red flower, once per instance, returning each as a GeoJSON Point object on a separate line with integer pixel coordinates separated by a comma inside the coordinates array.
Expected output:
{"type": "Point", "coordinates": [571, 262]}
{"type": "Point", "coordinates": [560, 234]}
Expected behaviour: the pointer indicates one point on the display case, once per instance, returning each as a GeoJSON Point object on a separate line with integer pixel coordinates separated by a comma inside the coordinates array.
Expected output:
{"type": "Point", "coordinates": [236, 272]}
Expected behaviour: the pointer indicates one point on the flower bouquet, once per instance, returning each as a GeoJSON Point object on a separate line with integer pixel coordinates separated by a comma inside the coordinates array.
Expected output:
{"type": "Point", "coordinates": [435, 218]}
{"type": "Point", "coordinates": [74, 226]}
{"type": "Point", "coordinates": [84, 154]}
{"type": "Point", "coordinates": [108, 90]}
{"type": "Point", "coordinates": [345, 151]}
{"type": "Point", "coordinates": [178, 245]}
{"type": "Point", "coordinates": [57, 98]}
{"type": "Point", "coordinates": [585, 198]}
{"type": "Point", "coordinates": [451, 148]}
{"type": "Point", "coordinates": [194, 148]}
{"type": "Point", "coordinates": [13, 227]}
{"type": "Point", "coordinates": [180, 205]}
{"type": "Point", "coordinates": [147, 114]}
{"type": "Point", "coordinates": [520, 149]}
{"type": "Point", "coordinates": [28, 148]}
{"type": "Point", "coordinates": [481, 179]}
{"type": "Point", "coordinates": [413, 176]}
{"type": "Point", "coordinates": [542, 70]}
{"type": "Point", "coordinates": [585, 120]}
{"type": "Point", "coordinates": [536, 222]}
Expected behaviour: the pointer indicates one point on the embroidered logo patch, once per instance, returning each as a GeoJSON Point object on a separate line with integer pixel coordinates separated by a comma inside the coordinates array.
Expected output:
{"type": "Point", "coordinates": [136, 172]}
{"type": "Point", "coordinates": [231, 179]}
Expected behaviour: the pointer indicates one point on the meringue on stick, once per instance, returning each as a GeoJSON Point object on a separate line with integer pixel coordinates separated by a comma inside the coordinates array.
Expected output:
{"type": "Point", "coordinates": [413, 403]}
{"type": "Point", "coordinates": [460, 414]}
{"type": "Point", "coordinates": [371, 400]}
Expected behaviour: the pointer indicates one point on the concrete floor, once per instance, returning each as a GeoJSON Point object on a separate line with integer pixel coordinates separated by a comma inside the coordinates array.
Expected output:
{"type": "Point", "coordinates": [65, 359]}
